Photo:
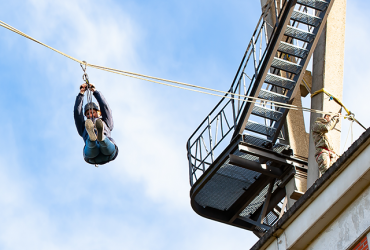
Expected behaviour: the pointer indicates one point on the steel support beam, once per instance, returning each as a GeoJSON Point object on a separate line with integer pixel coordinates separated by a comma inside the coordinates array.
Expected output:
{"type": "Point", "coordinates": [277, 196]}
{"type": "Point", "coordinates": [269, 155]}
{"type": "Point", "coordinates": [247, 197]}
{"type": "Point", "coordinates": [255, 166]}
{"type": "Point", "coordinates": [266, 203]}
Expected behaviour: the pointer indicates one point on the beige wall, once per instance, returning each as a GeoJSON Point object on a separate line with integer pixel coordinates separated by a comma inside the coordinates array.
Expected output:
{"type": "Point", "coordinates": [347, 228]}
{"type": "Point", "coordinates": [328, 62]}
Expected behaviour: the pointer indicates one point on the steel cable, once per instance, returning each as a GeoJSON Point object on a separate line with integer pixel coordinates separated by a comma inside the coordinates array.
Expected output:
{"type": "Point", "coordinates": [238, 97]}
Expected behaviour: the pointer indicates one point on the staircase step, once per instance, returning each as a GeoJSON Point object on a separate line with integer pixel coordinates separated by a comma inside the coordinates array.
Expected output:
{"type": "Point", "coordinates": [293, 50]}
{"type": "Point", "coordinates": [266, 113]}
{"type": "Point", "coordinates": [272, 96]}
{"type": "Point", "coordinates": [260, 128]}
{"type": "Point", "coordinates": [314, 4]}
{"type": "Point", "coordinates": [261, 142]}
{"type": "Point", "coordinates": [299, 34]}
{"type": "Point", "coordinates": [305, 18]}
{"type": "Point", "coordinates": [279, 81]}
{"type": "Point", "coordinates": [286, 66]}
{"type": "Point", "coordinates": [255, 140]}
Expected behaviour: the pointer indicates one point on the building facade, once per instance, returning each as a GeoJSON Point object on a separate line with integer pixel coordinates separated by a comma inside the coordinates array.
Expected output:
{"type": "Point", "coordinates": [334, 213]}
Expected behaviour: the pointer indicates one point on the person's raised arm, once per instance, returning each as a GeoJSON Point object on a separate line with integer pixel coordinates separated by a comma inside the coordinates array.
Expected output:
{"type": "Point", "coordinates": [321, 126]}
{"type": "Point", "coordinates": [105, 110]}
{"type": "Point", "coordinates": [333, 121]}
{"type": "Point", "coordinates": [78, 112]}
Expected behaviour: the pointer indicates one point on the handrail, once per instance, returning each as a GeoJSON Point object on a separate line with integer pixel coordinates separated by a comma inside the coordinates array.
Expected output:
{"type": "Point", "coordinates": [204, 130]}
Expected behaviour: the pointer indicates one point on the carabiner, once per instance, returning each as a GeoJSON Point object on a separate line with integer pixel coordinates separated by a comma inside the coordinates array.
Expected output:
{"type": "Point", "coordinates": [84, 68]}
{"type": "Point", "coordinates": [85, 77]}
{"type": "Point", "coordinates": [351, 116]}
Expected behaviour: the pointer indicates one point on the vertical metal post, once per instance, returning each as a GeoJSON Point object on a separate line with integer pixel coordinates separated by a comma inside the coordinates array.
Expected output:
{"type": "Point", "coordinates": [216, 129]}
{"type": "Point", "coordinates": [200, 152]}
{"type": "Point", "coordinates": [245, 87]}
{"type": "Point", "coordinates": [190, 164]}
{"type": "Point", "coordinates": [210, 138]}
{"type": "Point", "coordinates": [233, 106]}
{"type": "Point", "coordinates": [196, 153]}
{"type": "Point", "coordinates": [276, 14]}
{"type": "Point", "coordinates": [283, 207]}
{"type": "Point", "coordinates": [266, 34]}
{"type": "Point", "coordinates": [222, 127]}
{"type": "Point", "coordinates": [239, 84]}
{"type": "Point", "coordinates": [254, 56]}
{"type": "Point", "coordinates": [261, 36]}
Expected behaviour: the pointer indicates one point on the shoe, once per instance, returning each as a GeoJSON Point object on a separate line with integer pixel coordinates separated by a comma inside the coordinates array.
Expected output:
{"type": "Point", "coordinates": [99, 124]}
{"type": "Point", "coordinates": [89, 125]}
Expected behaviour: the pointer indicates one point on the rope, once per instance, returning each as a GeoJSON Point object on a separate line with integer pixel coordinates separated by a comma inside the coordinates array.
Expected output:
{"type": "Point", "coordinates": [89, 93]}
{"type": "Point", "coordinates": [242, 98]}
{"type": "Point", "coordinates": [350, 116]}
{"type": "Point", "coordinates": [238, 97]}
{"type": "Point", "coordinates": [331, 96]}
{"type": "Point", "coordinates": [350, 130]}
{"type": "Point", "coordinates": [7, 26]}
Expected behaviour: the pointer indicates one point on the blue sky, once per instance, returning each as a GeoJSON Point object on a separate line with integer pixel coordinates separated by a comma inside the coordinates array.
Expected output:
{"type": "Point", "coordinates": [52, 199]}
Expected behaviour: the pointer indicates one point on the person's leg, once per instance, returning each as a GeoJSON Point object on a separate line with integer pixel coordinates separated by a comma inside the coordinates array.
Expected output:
{"type": "Point", "coordinates": [102, 159]}
{"type": "Point", "coordinates": [107, 147]}
{"type": "Point", "coordinates": [333, 158]}
{"type": "Point", "coordinates": [89, 125]}
{"type": "Point", "coordinates": [99, 124]}
{"type": "Point", "coordinates": [91, 149]}
{"type": "Point", "coordinates": [323, 160]}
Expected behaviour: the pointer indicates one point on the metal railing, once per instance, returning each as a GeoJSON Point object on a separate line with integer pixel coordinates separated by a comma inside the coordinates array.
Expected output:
{"type": "Point", "coordinates": [203, 146]}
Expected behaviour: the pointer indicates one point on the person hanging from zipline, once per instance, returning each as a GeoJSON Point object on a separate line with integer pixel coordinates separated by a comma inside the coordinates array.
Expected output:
{"type": "Point", "coordinates": [99, 147]}
{"type": "Point", "coordinates": [324, 151]}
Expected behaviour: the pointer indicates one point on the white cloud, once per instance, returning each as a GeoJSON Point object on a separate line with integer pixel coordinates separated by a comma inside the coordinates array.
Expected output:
{"type": "Point", "coordinates": [148, 153]}
{"type": "Point", "coordinates": [139, 201]}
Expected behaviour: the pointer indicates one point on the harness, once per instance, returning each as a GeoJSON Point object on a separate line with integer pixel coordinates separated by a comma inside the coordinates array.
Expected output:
{"type": "Point", "coordinates": [330, 151]}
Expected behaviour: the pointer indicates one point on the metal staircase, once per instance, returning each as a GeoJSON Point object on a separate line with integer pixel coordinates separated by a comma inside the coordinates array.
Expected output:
{"type": "Point", "coordinates": [238, 166]}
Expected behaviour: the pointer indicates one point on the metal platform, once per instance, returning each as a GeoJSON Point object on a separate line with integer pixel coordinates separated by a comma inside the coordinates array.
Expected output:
{"type": "Point", "coordinates": [245, 185]}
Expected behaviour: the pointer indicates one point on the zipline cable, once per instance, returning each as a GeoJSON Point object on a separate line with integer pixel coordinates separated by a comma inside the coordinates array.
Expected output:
{"type": "Point", "coordinates": [276, 104]}
{"type": "Point", "coordinates": [144, 77]}
{"type": "Point", "coordinates": [7, 26]}
{"type": "Point", "coordinates": [121, 72]}
{"type": "Point", "coordinates": [148, 78]}
{"type": "Point", "coordinates": [157, 80]}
